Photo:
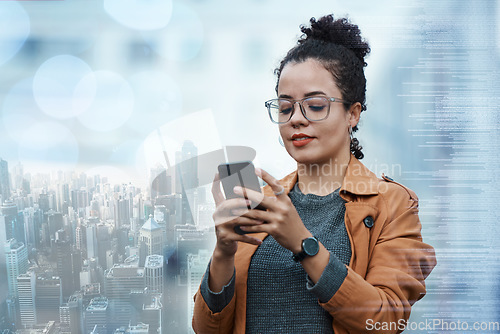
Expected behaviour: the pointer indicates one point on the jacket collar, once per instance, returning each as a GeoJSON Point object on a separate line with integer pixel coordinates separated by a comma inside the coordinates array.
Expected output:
{"type": "Point", "coordinates": [358, 180]}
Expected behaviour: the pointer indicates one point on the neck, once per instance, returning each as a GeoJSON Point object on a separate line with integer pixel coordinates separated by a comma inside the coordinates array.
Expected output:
{"type": "Point", "coordinates": [322, 178]}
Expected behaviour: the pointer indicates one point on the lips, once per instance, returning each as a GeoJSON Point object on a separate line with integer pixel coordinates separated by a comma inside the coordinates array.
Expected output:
{"type": "Point", "coordinates": [301, 139]}
{"type": "Point", "coordinates": [300, 136]}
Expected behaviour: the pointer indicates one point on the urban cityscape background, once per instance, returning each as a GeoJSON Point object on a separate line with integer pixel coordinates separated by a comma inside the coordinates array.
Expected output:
{"type": "Point", "coordinates": [114, 115]}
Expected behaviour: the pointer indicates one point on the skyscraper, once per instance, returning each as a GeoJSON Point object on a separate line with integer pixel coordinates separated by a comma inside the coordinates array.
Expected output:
{"type": "Point", "coordinates": [186, 172]}
{"type": "Point", "coordinates": [160, 182]}
{"type": "Point", "coordinates": [26, 297]}
{"type": "Point", "coordinates": [64, 267]}
{"type": "Point", "coordinates": [153, 270]}
{"type": "Point", "coordinates": [122, 212]}
{"type": "Point", "coordinates": [151, 235]}
{"type": "Point", "coordinates": [96, 315]}
{"type": "Point", "coordinates": [16, 256]}
{"type": "Point", "coordinates": [119, 281]}
{"type": "Point", "coordinates": [48, 297]}
{"type": "Point", "coordinates": [91, 238]}
{"type": "Point", "coordinates": [4, 181]}
{"type": "Point", "coordinates": [9, 219]}
{"type": "Point", "coordinates": [75, 305]}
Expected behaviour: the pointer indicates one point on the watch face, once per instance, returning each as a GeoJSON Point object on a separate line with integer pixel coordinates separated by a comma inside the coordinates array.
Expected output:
{"type": "Point", "coordinates": [311, 246]}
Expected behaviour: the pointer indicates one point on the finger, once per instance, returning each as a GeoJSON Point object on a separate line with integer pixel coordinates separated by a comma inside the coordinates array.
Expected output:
{"type": "Point", "coordinates": [254, 214]}
{"type": "Point", "coordinates": [230, 235]}
{"type": "Point", "coordinates": [216, 192]}
{"type": "Point", "coordinates": [254, 228]}
{"type": "Point", "coordinates": [249, 240]}
{"type": "Point", "coordinates": [234, 204]}
{"type": "Point", "coordinates": [271, 181]}
{"type": "Point", "coordinates": [255, 196]}
{"type": "Point", "coordinates": [246, 221]}
{"type": "Point", "coordinates": [227, 222]}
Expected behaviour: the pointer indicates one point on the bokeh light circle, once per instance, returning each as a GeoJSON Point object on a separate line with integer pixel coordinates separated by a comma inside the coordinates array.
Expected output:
{"type": "Point", "coordinates": [158, 99]}
{"type": "Point", "coordinates": [54, 86]}
{"type": "Point", "coordinates": [182, 38]}
{"type": "Point", "coordinates": [49, 142]}
{"type": "Point", "coordinates": [140, 14]}
{"type": "Point", "coordinates": [14, 29]}
{"type": "Point", "coordinates": [113, 102]}
{"type": "Point", "coordinates": [19, 109]}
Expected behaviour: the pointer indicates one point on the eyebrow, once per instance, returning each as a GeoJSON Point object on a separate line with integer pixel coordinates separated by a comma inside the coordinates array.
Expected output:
{"type": "Point", "coordinates": [317, 92]}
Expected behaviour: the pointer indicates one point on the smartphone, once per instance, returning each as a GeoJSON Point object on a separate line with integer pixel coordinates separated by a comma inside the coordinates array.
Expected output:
{"type": "Point", "coordinates": [241, 174]}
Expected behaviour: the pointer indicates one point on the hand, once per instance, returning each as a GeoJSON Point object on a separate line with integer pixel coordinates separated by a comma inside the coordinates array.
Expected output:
{"type": "Point", "coordinates": [226, 219]}
{"type": "Point", "coordinates": [282, 220]}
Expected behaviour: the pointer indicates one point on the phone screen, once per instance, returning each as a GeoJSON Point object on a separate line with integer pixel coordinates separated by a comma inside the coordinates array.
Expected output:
{"type": "Point", "coordinates": [239, 174]}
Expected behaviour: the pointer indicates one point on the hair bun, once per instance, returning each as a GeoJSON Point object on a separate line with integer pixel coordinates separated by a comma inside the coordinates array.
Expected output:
{"type": "Point", "coordinates": [340, 32]}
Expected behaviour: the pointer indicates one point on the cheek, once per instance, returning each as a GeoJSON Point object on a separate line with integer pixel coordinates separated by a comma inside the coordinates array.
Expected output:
{"type": "Point", "coordinates": [282, 130]}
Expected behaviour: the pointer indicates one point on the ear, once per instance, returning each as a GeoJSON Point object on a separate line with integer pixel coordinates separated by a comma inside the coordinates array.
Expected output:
{"type": "Point", "coordinates": [354, 114]}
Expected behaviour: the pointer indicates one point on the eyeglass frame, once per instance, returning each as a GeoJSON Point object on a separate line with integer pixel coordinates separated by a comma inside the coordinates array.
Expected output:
{"type": "Point", "coordinates": [302, 110]}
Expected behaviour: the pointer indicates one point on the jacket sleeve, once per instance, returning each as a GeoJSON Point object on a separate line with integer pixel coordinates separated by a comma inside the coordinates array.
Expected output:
{"type": "Point", "coordinates": [398, 263]}
{"type": "Point", "coordinates": [206, 321]}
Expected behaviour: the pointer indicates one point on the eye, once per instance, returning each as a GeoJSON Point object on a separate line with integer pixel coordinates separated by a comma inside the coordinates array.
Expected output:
{"type": "Point", "coordinates": [286, 111]}
{"type": "Point", "coordinates": [316, 108]}
{"type": "Point", "coordinates": [316, 104]}
{"type": "Point", "coordinates": [285, 107]}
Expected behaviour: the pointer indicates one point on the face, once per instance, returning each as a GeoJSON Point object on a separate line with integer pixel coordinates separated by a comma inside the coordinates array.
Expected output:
{"type": "Point", "coordinates": [322, 141]}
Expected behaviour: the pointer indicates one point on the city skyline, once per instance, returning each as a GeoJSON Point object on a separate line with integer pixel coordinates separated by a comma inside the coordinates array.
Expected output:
{"type": "Point", "coordinates": [62, 237]}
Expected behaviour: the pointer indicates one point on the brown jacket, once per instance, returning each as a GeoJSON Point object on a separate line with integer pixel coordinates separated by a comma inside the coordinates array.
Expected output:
{"type": "Point", "coordinates": [388, 265]}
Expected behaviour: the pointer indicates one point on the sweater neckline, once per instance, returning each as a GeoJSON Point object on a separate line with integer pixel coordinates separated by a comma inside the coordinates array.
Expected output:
{"type": "Point", "coordinates": [298, 194]}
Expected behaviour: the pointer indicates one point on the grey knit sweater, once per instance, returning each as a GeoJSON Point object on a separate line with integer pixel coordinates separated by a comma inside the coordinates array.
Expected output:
{"type": "Point", "coordinates": [280, 296]}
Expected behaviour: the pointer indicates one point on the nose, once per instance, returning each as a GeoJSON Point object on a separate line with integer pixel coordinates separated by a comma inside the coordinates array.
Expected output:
{"type": "Point", "coordinates": [298, 117]}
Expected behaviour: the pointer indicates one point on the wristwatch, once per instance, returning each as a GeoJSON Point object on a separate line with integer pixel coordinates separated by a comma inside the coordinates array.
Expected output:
{"type": "Point", "coordinates": [310, 247]}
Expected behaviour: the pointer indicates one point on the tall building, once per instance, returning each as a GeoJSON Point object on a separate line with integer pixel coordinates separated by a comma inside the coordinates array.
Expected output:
{"type": "Point", "coordinates": [48, 297]}
{"type": "Point", "coordinates": [151, 236]}
{"type": "Point", "coordinates": [4, 181]}
{"type": "Point", "coordinates": [153, 271]}
{"type": "Point", "coordinates": [186, 172]}
{"type": "Point", "coordinates": [64, 267]}
{"type": "Point", "coordinates": [152, 313]}
{"type": "Point", "coordinates": [26, 296]}
{"type": "Point", "coordinates": [91, 238]}
{"type": "Point", "coordinates": [16, 256]}
{"type": "Point", "coordinates": [64, 317]}
{"type": "Point", "coordinates": [96, 316]}
{"type": "Point", "coordinates": [103, 244]}
{"type": "Point", "coordinates": [119, 282]}
{"type": "Point", "coordinates": [9, 220]}
{"type": "Point", "coordinates": [161, 183]}
{"type": "Point", "coordinates": [188, 241]}
{"type": "Point", "coordinates": [122, 212]}
{"type": "Point", "coordinates": [75, 305]}
{"type": "Point", "coordinates": [62, 196]}
{"type": "Point", "coordinates": [33, 219]}
{"type": "Point", "coordinates": [55, 222]}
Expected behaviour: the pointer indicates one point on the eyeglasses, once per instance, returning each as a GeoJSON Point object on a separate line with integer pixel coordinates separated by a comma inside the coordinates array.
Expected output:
{"type": "Point", "coordinates": [315, 108]}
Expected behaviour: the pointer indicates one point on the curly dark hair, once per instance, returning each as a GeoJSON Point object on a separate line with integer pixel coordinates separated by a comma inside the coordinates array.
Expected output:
{"type": "Point", "coordinates": [339, 47]}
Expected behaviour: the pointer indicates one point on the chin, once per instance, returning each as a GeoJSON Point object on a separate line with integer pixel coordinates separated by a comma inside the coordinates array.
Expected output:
{"type": "Point", "coordinates": [305, 158]}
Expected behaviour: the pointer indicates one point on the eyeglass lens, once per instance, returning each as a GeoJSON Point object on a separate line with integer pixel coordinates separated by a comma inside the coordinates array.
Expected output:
{"type": "Point", "coordinates": [315, 109]}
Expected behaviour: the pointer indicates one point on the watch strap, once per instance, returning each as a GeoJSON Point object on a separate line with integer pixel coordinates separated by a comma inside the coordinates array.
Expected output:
{"type": "Point", "coordinates": [299, 256]}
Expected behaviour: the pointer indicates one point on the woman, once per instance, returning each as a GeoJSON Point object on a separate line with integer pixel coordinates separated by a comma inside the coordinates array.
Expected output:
{"type": "Point", "coordinates": [337, 250]}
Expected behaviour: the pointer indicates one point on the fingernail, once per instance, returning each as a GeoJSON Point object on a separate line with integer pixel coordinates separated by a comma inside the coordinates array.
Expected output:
{"type": "Point", "coordinates": [237, 190]}
{"type": "Point", "coordinates": [258, 171]}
